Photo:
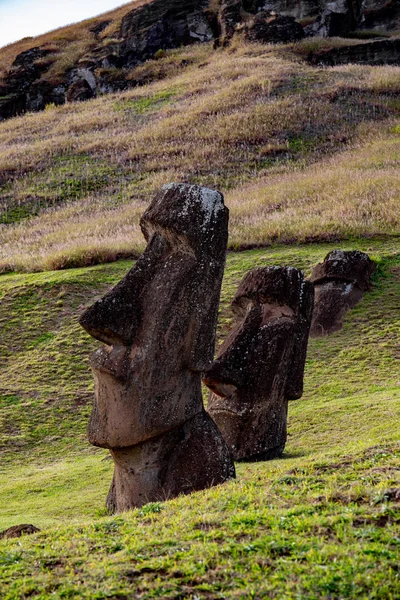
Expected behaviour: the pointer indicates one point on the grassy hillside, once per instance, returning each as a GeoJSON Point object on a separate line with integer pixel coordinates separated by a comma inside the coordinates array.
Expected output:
{"type": "Point", "coordinates": [301, 153]}
{"type": "Point", "coordinates": [322, 522]}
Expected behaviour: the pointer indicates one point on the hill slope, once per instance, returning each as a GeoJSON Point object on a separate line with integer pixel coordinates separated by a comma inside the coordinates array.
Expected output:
{"type": "Point", "coordinates": [320, 523]}
{"type": "Point", "coordinates": [301, 153]}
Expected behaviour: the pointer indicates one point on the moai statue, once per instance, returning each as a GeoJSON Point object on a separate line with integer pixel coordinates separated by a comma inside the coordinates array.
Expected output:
{"type": "Point", "coordinates": [340, 282]}
{"type": "Point", "coordinates": [260, 366]}
{"type": "Point", "coordinates": [158, 326]}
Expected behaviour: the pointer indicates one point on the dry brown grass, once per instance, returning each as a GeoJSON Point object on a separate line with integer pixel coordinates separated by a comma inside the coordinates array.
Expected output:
{"type": "Point", "coordinates": [301, 153]}
{"type": "Point", "coordinates": [353, 194]}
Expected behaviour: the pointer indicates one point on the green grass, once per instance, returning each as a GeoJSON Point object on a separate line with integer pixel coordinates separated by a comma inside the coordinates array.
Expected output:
{"type": "Point", "coordinates": [143, 105]}
{"type": "Point", "coordinates": [322, 522]}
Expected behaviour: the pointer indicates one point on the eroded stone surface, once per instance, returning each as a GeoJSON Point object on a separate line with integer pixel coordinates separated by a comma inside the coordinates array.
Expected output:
{"type": "Point", "coordinates": [158, 326]}
{"type": "Point", "coordinates": [260, 366]}
{"type": "Point", "coordinates": [340, 282]}
{"type": "Point", "coordinates": [163, 24]}
{"type": "Point", "coordinates": [79, 91]}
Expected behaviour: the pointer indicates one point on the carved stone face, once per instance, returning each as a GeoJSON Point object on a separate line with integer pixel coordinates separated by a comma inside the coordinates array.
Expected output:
{"type": "Point", "coordinates": [261, 364]}
{"type": "Point", "coordinates": [340, 282]}
{"type": "Point", "coordinates": [158, 326]}
{"type": "Point", "coordinates": [158, 323]}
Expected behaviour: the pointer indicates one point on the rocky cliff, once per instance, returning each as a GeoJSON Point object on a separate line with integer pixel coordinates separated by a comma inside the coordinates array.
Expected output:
{"type": "Point", "coordinates": [103, 64]}
{"type": "Point", "coordinates": [340, 17]}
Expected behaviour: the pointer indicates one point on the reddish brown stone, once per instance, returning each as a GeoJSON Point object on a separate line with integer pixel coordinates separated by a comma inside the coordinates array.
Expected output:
{"type": "Point", "coordinates": [158, 325]}
{"type": "Point", "coordinates": [340, 282]}
{"type": "Point", "coordinates": [18, 531]}
{"type": "Point", "coordinates": [260, 366]}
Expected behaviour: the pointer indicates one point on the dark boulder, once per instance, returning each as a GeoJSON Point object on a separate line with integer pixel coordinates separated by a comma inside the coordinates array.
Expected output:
{"type": "Point", "coordinates": [271, 28]}
{"type": "Point", "coordinates": [22, 89]}
{"type": "Point", "coordinates": [163, 24]}
{"type": "Point", "coordinates": [11, 104]}
{"type": "Point", "coordinates": [79, 91]}
{"type": "Point", "coordinates": [29, 58]}
{"type": "Point", "coordinates": [379, 52]}
{"type": "Point", "coordinates": [382, 15]}
{"type": "Point", "coordinates": [27, 67]}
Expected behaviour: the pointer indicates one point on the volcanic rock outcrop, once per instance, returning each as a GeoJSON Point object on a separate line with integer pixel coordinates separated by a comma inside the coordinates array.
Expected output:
{"type": "Point", "coordinates": [158, 326]}
{"type": "Point", "coordinates": [164, 24]}
{"type": "Point", "coordinates": [258, 25]}
{"type": "Point", "coordinates": [260, 366]}
{"type": "Point", "coordinates": [337, 17]}
{"type": "Point", "coordinates": [105, 62]}
{"type": "Point", "coordinates": [340, 282]}
{"type": "Point", "coordinates": [270, 28]}
{"type": "Point", "coordinates": [378, 52]}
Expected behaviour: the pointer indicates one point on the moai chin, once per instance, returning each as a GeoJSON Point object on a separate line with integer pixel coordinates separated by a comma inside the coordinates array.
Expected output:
{"type": "Point", "coordinates": [260, 366]}
{"type": "Point", "coordinates": [158, 326]}
{"type": "Point", "coordinates": [340, 282]}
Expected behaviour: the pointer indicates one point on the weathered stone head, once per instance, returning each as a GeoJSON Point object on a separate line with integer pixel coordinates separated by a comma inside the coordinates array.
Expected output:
{"type": "Point", "coordinates": [158, 326]}
{"type": "Point", "coordinates": [260, 366]}
{"type": "Point", "coordinates": [340, 282]}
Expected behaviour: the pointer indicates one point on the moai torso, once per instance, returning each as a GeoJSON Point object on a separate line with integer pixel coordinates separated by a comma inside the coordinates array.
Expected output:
{"type": "Point", "coordinates": [158, 325]}
{"type": "Point", "coordinates": [260, 366]}
{"type": "Point", "coordinates": [340, 282]}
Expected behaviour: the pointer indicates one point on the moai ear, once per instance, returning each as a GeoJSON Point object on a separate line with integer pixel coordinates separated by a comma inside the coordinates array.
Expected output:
{"type": "Point", "coordinates": [294, 387]}
{"type": "Point", "coordinates": [115, 318]}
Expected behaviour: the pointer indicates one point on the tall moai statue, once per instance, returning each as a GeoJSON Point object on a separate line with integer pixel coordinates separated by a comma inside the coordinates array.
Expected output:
{"type": "Point", "coordinates": [158, 326]}
{"type": "Point", "coordinates": [260, 366]}
{"type": "Point", "coordinates": [340, 282]}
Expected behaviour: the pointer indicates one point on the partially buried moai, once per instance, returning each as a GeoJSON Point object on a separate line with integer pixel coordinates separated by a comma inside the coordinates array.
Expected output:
{"type": "Point", "coordinates": [158, 326]}
{"type": "Point", "coordinates": [260, 366]}
{"type": "Point", "coordinates": [340, 282]}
